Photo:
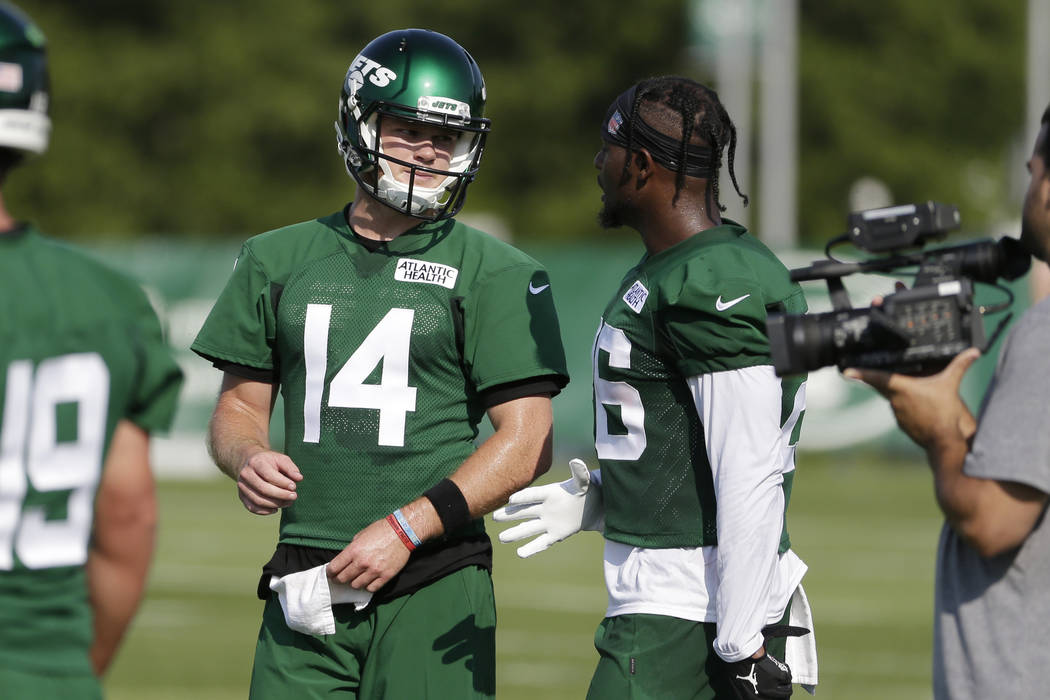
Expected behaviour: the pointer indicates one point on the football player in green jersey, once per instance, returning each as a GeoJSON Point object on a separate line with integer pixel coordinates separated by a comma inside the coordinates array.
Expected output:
{"type": "Point", "coordinates": [694, 432]}
{"type": "Point", "coordinates": [390, 330]}
{"type": "Point", "coordinates": [85, 376]}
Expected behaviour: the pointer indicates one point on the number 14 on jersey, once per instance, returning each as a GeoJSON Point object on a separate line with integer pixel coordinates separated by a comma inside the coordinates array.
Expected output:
{"type": "Point", "coordinates": [388, 343]}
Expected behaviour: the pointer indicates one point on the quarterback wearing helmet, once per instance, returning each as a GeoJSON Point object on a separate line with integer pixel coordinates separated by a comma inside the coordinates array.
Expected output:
{"type": "Point", "coordinates": [391, 330]}
{"type": "Point", "coordinates": [421, 77]}
{"type": "Point", "coordinates": [84, 377]}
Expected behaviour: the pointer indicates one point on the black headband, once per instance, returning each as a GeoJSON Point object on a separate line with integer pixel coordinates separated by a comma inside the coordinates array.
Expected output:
{"type": "Point", "coordinates": [618, 129]}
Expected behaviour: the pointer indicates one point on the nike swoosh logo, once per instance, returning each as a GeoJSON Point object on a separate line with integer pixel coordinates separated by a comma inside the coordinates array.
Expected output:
{"type": "Point", "coordinates": [537, 290]}
{"type": "Point", "coordinates": [723, 305]}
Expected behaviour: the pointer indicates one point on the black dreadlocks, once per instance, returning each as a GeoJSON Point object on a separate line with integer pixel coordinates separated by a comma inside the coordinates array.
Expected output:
{"type": "Point", "coordinates": [679, 106]}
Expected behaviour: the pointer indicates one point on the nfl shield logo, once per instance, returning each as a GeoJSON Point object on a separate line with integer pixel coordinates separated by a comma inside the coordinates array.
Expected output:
{"type": "Point", "coordinates": [614, 122]}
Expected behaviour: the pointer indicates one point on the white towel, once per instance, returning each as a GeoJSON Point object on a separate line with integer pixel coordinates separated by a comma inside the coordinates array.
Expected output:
{"type": "Point", "coordinates": [307, 598]}
{"type": "Point", "coordinates": [800, 653]}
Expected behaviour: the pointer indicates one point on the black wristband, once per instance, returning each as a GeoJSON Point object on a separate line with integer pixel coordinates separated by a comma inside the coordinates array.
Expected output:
{"type": "Point", "coordinates": [450, 505]}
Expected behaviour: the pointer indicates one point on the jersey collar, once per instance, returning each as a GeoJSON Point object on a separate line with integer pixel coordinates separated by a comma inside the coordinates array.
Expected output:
{"type": "Point", "coordinates": [414, 240]}
{"type": "Point", "coordinates": [728, 230]}
{"type": "Point", "coordinates": [18, 233]}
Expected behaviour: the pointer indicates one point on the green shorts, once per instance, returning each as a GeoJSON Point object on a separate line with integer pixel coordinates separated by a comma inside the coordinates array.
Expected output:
{"type": "Point", "coordinates": [655, 657]}
{"type": "Point", "coordinates": [438, 642]}
{"type": "Point", "coordinates": [16, 684]}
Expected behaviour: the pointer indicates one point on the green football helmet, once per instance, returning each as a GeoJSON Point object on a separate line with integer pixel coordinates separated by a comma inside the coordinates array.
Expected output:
{"type": "Point", "coordinates": [24, 84]}
{"type": "Point", "coordinates": [420, 76]}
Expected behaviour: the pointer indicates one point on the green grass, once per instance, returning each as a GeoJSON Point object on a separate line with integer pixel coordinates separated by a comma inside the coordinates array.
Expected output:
{"type": "Point", "coordinates": [865, 524]}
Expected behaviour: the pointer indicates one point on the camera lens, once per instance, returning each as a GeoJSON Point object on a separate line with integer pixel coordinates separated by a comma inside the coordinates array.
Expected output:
{"type": "Point", "coordinates": [801, 343]}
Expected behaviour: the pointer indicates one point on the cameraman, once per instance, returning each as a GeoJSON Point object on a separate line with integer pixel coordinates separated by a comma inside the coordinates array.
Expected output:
{"type": "Point", "coordinates": [991, 479]}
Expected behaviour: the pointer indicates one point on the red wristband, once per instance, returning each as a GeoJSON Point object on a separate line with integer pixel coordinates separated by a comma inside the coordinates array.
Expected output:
{"type": "Point", "coordinates": [400, 533]}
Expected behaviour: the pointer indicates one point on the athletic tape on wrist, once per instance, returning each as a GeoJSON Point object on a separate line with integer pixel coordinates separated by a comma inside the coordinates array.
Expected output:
{"type": "Point", "coordinates": [450, 505]}
{"type": "Point", "coordinates": [403, 522]}
{"type": "Point", "coordinates": [400, 533]}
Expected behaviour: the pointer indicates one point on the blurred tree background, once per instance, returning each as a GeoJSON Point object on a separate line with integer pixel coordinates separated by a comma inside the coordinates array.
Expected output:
{"type": "Point", "coordinates": [203, 119]}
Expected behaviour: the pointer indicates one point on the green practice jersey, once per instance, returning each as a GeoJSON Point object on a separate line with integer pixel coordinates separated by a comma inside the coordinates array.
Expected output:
{"type": "Point", "coordinates": [380, 356]}
{"type": "Point", "coordinates": [80, 349]}
{"type": "Point", "coordinates": [696, 308]}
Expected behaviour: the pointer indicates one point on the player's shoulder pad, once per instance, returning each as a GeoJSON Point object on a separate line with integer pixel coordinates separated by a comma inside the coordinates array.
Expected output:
{"type": "Point", "coordinates": [738, 275]}
{"type": "Point", "coordinates": [281, 250]}
{"type": "Point", "coordinates": [489, 244]}
{"type": "Point", "coordinates": [92, 272]}
{"type": "Point", "coordinates": [490, 259]}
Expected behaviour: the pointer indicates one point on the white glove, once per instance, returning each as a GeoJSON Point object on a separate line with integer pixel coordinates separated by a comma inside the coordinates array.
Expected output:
{"type": "Point", "coordinates": [554, 511]}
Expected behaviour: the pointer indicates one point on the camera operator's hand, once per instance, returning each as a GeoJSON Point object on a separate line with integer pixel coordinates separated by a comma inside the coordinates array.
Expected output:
{"type": "Point", "coordinates": [929, 409]}
{"type": "Point", "coordinates": [764, 677]}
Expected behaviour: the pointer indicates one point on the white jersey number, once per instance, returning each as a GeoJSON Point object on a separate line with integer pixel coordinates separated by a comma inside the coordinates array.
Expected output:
{"type": "Point", "coordinates": [392, 397]}
{"type": "Point", "coordinates": [620, 447]}
{"type": "Point", "coordinates": [31, 454]}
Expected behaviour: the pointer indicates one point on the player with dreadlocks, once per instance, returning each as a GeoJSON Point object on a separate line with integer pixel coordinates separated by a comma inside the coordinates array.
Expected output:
{"type": "Point", "coordinates": [694, 433]}
{"type": "Point", "coordinates": [674, 105]}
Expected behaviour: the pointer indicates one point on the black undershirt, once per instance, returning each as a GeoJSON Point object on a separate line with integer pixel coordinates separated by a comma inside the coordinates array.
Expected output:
{"type": "Point", "coordinates": [429, 562]}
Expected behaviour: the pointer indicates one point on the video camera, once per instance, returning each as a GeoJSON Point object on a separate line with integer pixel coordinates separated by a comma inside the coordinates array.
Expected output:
{"type": "Point", "coordinates": [914, 331]}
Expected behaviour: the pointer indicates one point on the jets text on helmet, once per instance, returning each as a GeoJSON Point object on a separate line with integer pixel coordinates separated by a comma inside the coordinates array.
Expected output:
{"type": "Point", "coordinates": [363, 67]}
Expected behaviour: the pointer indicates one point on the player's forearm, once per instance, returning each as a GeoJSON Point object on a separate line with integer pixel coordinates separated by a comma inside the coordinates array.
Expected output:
{"type": "Point", "coordinates": [121, 540]}
{"type": "Point", "coordinates": [235, 432]}
{"type": "Point", "coordinates": [740, 411]}
{"type": "Point", "coordinates": [516, 454]}
{"type": "Point", "coordinates": [748, 539]}
{"type": "Point", "coordinates": [117, 570]}
{"type": "Point", "coordinates": [117, 588]}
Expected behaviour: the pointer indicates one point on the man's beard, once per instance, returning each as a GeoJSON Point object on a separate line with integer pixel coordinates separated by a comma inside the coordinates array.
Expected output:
{"type": "Point", "coordinates": [611, 215]}
{"type": "Point", "coordinates": [1029, 239]}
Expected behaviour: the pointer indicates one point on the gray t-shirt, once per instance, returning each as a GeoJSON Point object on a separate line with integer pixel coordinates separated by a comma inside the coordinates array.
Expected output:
{"type": "Point", "coordinates": [992, 614]}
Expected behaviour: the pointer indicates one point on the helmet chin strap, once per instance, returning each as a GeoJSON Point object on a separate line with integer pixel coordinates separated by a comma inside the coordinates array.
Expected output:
{"type": "Point", "coordinates": [390, 189]}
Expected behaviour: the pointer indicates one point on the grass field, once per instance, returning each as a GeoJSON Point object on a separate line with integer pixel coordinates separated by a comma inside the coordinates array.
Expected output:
{"type": "Point", "coordinates": [865, 523]}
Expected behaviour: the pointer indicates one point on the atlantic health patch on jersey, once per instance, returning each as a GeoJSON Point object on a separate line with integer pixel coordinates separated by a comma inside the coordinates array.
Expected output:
{"type": "Point", "coordinates": [410, 270]}
{"type": "Point", "coordinates": [636, 296]}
